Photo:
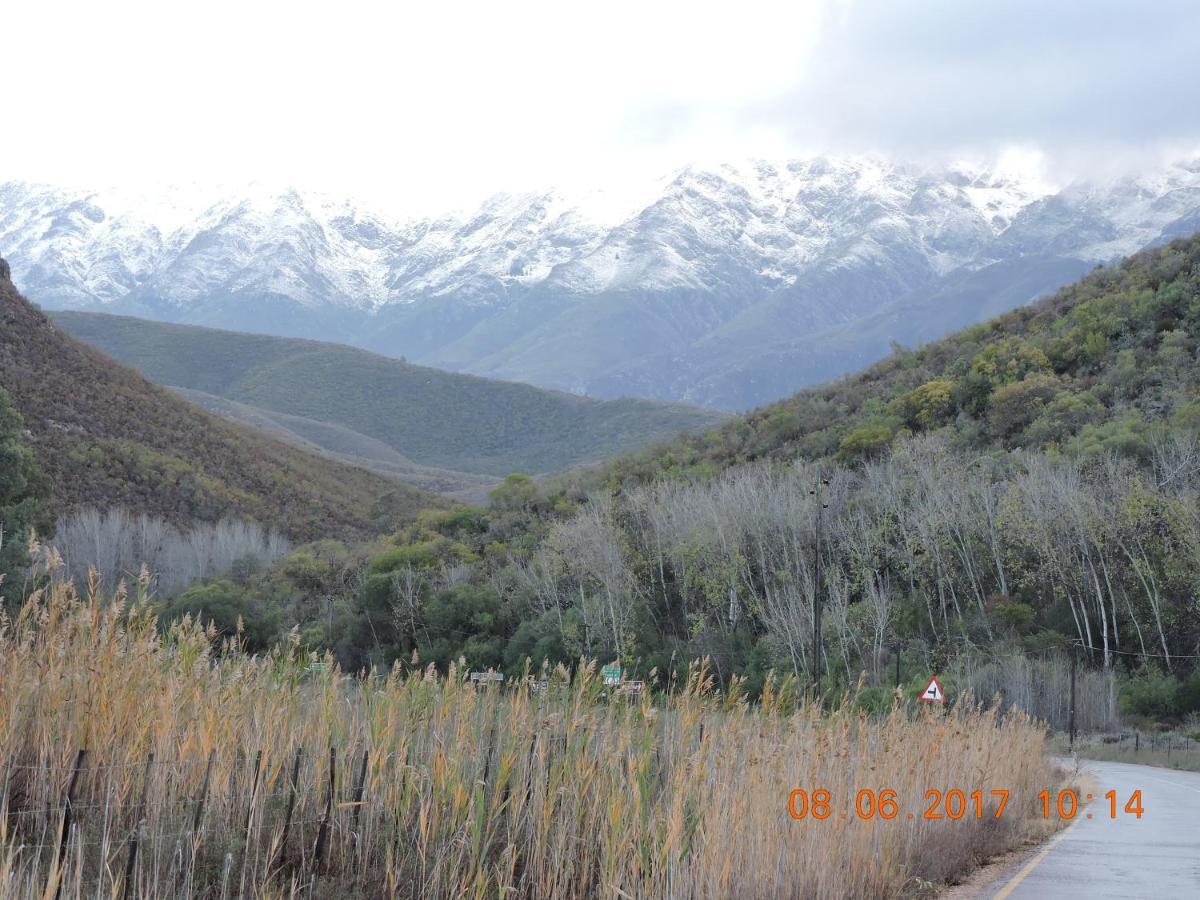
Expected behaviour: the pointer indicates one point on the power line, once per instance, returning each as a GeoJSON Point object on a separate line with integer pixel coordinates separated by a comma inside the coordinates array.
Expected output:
{"type": "Point", "coordinates": [1139, 653]}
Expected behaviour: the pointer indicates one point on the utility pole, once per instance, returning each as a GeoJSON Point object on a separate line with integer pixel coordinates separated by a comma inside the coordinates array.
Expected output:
{"type": "Point", "coordinates": [818, 493]}
{"type": "Point", "coordinates": [1071, 717]}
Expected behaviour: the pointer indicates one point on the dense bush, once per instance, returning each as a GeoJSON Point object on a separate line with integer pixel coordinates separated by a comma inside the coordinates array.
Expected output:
{"type": "Point", "coordinates": [1150, 694]}
{"type": "Point", "coordinates": [227, 607]}
{"type": "Point", "coordinates": [1159, 696]}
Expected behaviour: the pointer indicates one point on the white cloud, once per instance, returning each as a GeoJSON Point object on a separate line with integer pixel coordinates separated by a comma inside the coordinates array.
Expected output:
{"type": "Point", "coordinates": [432, 104]}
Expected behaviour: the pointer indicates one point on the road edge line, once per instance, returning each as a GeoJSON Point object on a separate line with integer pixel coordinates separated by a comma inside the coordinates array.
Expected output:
{"type": "Point", "coordinates": [1021, 875]}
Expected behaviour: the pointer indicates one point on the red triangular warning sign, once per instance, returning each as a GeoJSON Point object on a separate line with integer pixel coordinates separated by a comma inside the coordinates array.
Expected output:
{"type": "Point", "coordinates": [933, 693]}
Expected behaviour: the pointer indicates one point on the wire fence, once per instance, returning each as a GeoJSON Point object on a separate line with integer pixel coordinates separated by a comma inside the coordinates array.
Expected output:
{"type": "Point", "coordinates": [167, 826]}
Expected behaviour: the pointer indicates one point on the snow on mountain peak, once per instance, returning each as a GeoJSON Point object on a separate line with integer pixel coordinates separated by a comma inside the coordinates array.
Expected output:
{"type": "Point", "coordinates": [740, 226]}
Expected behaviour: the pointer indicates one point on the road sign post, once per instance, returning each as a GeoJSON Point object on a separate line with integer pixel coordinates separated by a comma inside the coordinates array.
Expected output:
{"type": "Point", "coordinates": [611, 673]}
{"type": "Point", "coordinates": [933, 692]}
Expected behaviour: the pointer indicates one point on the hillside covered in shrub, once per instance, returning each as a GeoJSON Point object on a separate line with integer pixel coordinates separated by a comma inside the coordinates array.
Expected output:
{"type": "Point", "coordinates": [106, 437]}
{"type": "Point", "coordinates": [1088, 369]}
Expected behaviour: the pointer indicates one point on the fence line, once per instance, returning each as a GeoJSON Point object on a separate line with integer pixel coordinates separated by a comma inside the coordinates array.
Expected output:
{"type": "Point", "coordinates": [54, 833]}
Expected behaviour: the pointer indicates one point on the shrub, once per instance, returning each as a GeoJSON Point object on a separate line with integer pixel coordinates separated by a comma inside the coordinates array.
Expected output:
{"type": "Point", "coordinates": [23, 491]}
{"type": "Point", "coordinates": [1014, 406]}
{"type": "Point", "coordinates": [925, 406]}
{"type": "Point", "coordinates": [516, 493]}
{"type": "Point", "coordinates": [1151, 694]}
{"type": "Point", "coordinates": [866, 442]}
{"type": "Point", "coordinates": [224, 605]}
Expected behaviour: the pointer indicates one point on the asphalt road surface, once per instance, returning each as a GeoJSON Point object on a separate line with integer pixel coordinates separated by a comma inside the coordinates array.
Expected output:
{"type": "Point", "coordinates": [1156, 856]}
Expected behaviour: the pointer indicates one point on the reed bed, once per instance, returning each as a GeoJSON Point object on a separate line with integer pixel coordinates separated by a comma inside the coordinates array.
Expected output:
{"type": "Point", "coordinates": [444, 789]}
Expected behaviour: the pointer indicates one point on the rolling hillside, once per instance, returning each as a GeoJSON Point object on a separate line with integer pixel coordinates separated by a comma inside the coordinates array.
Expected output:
{"type": "Point", "coordinates": [1021, 486]}
{"type": "Point", "coordinates": [1093, 367]}
{"type": "Point", "coordinates": [106, 436]}
{"type": "Point", "coordinates": [427, 416]}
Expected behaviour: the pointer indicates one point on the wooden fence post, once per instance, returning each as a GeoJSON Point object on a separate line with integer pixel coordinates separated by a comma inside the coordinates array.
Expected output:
{"type": "Point", "coordinates": [487, 753]}
{"type": "Point", "coordinates": [203, 796]}
{"type": "Point", "coordinates": [249, 813]}
{"type": "Point", "coordinates": [529, 768]}
{"type": "Point", "coordinates": [253, 790]}
{"type": "Point", "coordinates": [65, 833]}
{"type": "Point", "coordinates": [188, 863]}
{"type": "Point", "coordinates": [320, 851]}
{"type": "Point", "coordinates": [137, 828]}
{"type": "Point", "coordinates": [358, 798]}
{"type": "Point", "coordinates": [291, 807]}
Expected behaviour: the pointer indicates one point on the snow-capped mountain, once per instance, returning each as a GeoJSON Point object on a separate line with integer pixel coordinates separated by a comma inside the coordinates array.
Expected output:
{"type": "Point", "coordinates": [729, 284]}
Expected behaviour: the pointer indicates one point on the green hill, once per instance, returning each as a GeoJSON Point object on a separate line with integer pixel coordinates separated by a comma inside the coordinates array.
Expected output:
{"type": "Point", "coordinates": [431, 417]}
{"type": "Point", "coordinates": [105, 436]}
{"type": "Point", "coordinates": [1087, 369]}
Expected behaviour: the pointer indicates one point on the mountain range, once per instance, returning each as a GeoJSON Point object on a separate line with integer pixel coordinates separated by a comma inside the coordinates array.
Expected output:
{"type": "Point", "coordinates": [729, 285]}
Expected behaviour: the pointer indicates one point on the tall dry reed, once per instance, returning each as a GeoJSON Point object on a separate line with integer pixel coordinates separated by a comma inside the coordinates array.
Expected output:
{"type": "Point", "coordinates": [465, 791]}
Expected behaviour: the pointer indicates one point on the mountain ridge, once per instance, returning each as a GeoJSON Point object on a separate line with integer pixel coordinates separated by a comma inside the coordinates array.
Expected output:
{"type": "Point", "coordinates": [537, 287]}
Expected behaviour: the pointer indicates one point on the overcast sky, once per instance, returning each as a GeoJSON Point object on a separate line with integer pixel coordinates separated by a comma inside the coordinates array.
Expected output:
{"type": "Point", "coordinates": [431, 105]}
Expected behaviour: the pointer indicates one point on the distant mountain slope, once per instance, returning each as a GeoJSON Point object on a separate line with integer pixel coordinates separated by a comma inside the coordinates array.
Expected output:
{"type": "Point", "coordinates": [1093, 368]}
{"type": "Point", "coordinates": [107, 437]}
{"type": "Point", "coordinates": [343, 444]}
{"type": "Point", "coordinates": [719, 285]}
{"type": "Point", "coordinates": [433, 418]}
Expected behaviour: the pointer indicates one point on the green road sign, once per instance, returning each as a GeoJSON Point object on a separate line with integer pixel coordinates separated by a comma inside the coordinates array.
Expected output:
{"type": "Point", "coordinates": [611, 673]}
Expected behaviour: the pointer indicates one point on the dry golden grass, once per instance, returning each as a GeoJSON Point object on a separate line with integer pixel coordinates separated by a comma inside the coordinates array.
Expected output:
{"type": "Point", "coordinates": [468, 792]}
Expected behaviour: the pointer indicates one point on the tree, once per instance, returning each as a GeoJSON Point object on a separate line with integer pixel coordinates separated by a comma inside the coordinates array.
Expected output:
{"type": "Point", "coordinates": [23, 492]}
{"type": "Point", "coordinates": [516, 493]}
{"type": "Point", "coordinates": [926, 406]}
{"type": "Point", "coordinates": [225, 605]}
{"type": "Point", "coordinates": [865, 442]}
{"type": "Point", "coordinates": [1013, 406]}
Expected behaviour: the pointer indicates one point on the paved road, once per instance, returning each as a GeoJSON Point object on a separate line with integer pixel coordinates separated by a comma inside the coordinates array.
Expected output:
{"type": "Point", "coordinates": [1157, 856]}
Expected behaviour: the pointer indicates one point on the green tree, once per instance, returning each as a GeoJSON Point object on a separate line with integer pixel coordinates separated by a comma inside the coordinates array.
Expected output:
{"type": "Point", "coordinates": [1013, 406]}
{"type": "Point", "coordinates": [926, 406]}
{"type": "Point", "coordinates": [515, 494]}
{"type": "Point", "coordinates": [1151, 694]}
{"type": "Point", "coordinates": [866, 442]}
{"type": "Point", "coordinates": [464, 620]}
{"type": "Point", "coordinates": [224, 604]}
{"type": "Point", "coordinates": [23, 492]}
